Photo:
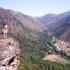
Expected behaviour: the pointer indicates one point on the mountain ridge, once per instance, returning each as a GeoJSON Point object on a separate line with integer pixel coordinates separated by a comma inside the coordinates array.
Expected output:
{"type": "Point", "coordinates": [59, 25]}
{"type": "Point", "coordinates": [9, 17]}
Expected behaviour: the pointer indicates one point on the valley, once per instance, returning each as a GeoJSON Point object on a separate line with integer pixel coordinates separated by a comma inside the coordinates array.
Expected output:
{"type": "Point", "coordinates": [39, 48]}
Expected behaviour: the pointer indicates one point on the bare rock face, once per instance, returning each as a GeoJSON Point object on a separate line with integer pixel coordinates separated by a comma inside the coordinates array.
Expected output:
{"type": "Point", "coordinates": [9, 49]}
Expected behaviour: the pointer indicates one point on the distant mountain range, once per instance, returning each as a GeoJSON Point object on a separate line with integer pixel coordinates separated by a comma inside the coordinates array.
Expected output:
{"type": "Point", "coordinates": [59, 25]}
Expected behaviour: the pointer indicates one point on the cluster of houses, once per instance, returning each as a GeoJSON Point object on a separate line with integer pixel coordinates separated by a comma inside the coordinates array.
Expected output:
{"type": "Point", "coordinates": [62, 47]}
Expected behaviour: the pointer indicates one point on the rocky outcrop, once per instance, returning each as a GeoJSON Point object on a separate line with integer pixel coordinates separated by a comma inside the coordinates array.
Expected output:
{"type": "Point", "coordinates": [9, 49]}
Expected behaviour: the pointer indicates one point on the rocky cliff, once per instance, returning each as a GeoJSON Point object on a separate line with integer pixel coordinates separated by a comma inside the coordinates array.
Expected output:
{"type": "Point", "coordinates": [9, 49]}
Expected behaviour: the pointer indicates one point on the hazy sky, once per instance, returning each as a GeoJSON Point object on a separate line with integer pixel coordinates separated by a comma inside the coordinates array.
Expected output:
{"type": "Point", "coordinates": [37, 7]}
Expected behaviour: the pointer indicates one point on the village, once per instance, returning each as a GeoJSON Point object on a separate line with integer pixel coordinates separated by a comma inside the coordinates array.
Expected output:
{"type": "Point", "coordinates": [62, 47]}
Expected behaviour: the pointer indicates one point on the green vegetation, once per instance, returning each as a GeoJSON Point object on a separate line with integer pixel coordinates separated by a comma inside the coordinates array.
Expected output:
{"type": "Point", "coordinates": [33, 50]}
{"type": "Point", "coordinates": [34, 45]}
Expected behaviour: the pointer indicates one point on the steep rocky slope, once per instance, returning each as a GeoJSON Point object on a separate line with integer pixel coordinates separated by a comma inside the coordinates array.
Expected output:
{"type": "Point", "coordinates": [9, 49]}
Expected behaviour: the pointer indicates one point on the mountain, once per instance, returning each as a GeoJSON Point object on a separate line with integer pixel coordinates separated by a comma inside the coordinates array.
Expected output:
{"type": "Point", "coordinates": [59, 25]}
{"type": "Point", "coordinates": [13, 18]}
{"type": "Point", "coordinates": [35, 42]}
{"type": "Point", "coordinates": [46, 19]}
